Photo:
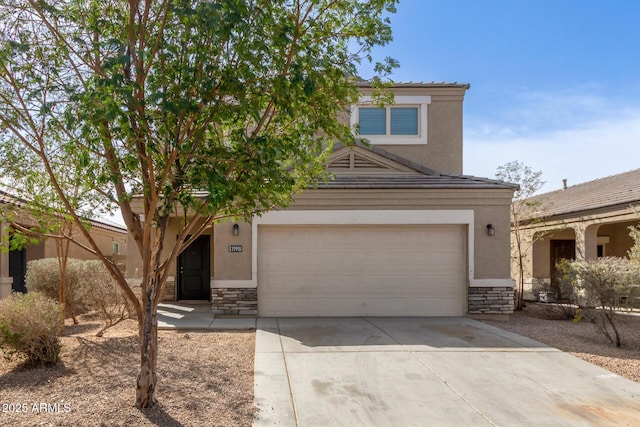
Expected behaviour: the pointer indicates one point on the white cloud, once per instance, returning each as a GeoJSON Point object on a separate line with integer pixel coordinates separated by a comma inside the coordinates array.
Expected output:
{"type": "Point", "coordinates": [579, 138]}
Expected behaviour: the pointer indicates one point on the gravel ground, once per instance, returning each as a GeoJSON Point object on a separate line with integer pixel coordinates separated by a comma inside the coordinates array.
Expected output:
{"type": "Point", "coordinates": [204, 379]}
{"type": "Point", "coordinates": [543, 323]}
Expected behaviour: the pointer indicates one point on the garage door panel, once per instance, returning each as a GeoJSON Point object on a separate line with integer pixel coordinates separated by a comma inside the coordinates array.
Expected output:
{"type": "Point", "coordinates": [361, 270]}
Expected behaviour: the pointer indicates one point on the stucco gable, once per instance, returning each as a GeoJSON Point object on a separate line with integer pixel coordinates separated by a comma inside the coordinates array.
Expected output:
{"type": "Point", "coordinates": [373, 167]}
{"type": "Point", "coordinates": [359, 160]}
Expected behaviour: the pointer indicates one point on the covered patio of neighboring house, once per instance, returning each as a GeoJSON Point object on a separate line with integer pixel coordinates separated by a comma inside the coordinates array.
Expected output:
{"type": "Point", "coordinates": [111, 237]}
{"type": "Point", "coordinates": [582, 221]}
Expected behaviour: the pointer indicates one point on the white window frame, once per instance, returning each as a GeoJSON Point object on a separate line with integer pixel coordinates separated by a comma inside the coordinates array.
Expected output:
{"type": "Point", "coordinates": [400, 101]}
{"type": "Point", "coordinates": [115, 248]}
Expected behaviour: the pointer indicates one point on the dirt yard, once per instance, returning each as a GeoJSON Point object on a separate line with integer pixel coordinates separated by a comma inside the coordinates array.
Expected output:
{"type": "Point", "coordinates": [542, 323]}
{"type": "Point", "coordinates": [204, 379]}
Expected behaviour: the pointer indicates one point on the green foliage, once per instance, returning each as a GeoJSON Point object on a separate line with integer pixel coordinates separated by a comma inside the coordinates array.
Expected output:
{"type": "Point", "coordinates": [194, 108]}
{"type": "Point", "coordinates": [237, 99]}
{"type": "Point", "coordinates": [599, 286]}
{"type": "Point", "coordinates": [30, 328]}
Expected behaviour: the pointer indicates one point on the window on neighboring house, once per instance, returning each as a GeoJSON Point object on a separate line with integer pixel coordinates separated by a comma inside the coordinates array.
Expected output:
{"type": "Point", "coordinates": [116, 248]}
{"type": "Point", "coordinates": [404, 122]}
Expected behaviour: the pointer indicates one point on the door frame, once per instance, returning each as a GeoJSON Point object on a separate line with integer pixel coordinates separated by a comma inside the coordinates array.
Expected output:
{"type": "Point", "coordinates": [553, 244]}
{"type": "Point", "coordinates": [206, 268]}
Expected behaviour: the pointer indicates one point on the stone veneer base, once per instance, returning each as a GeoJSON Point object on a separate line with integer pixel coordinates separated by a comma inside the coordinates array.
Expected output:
{"type": "Point", "coordinates": [235, 301]}
{"type": "Point", "coordinates": [491, 300]}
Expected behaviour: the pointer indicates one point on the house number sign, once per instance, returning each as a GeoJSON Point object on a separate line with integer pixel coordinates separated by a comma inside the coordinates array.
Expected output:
{"type": "Point", "coordinates": [235, 248]}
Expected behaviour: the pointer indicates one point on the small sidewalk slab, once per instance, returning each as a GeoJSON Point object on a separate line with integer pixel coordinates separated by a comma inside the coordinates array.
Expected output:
{"type": "Point", "coordinates": [181, 316]}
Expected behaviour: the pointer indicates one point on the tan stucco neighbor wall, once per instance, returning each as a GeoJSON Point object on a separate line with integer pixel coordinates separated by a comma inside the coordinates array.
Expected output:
{"type": "Point", "coordinates": [104, 238]}
{"type": "Point", "coordinates": [586, 229]}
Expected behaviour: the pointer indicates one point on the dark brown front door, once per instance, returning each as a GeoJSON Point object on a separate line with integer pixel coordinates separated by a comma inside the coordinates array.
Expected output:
{"type": "Point", "coordinates": [17, 269]}
{"type": "Point", "coordinates": [194, 271]}
{"type": "Point", "coordinates": [560, 249]}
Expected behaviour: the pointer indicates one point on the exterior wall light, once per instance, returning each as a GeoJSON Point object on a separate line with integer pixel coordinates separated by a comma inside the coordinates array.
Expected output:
{"type": "Point", "coordinates": [491, 231]}
{"type": "Point", "coordinates": [236, 229]}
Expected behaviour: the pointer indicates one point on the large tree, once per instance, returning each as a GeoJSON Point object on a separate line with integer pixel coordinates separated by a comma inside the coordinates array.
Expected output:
{"type": "Point", "coordinates": [206, 108]}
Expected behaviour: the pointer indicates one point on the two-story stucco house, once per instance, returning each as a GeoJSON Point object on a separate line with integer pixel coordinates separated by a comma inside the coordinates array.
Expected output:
{"type": "Point", "coordinates": [400, 231]}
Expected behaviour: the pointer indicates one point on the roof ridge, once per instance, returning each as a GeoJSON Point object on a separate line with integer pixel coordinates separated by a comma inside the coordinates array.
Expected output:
{"type": "Point", "coordinates": [583, 184]}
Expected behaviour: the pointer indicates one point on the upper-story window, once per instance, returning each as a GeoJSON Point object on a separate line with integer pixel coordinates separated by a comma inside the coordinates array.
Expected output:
{"type": "Point", "coordinates": [391, 120]}
{"type": "Point", "coordinates": [404, 122]}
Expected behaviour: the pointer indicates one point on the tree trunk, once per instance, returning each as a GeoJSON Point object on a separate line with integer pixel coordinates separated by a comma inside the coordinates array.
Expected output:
{"type": "Point", "coordinates": [146, 383]}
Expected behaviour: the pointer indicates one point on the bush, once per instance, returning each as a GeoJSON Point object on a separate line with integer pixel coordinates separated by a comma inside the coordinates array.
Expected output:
{"type": "Point", "coordinates": [30, 327]}
{"type": "Point", "coordinates": [43, 276]}
{"type": "Point", "coordinates": [104, 295]}
{"type": "Point", "coordinates": [89, 286]}
{"type": "Point", "coordinates": [599, 286]}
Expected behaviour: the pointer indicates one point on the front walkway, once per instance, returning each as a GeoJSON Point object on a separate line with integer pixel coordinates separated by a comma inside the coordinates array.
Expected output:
{"type": "Point", "coordinates": [198, 316]}
{"type": "Point", "coordinates": [427, 371]}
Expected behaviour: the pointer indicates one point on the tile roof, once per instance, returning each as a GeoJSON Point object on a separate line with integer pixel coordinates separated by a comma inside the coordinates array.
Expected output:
{"type": "Point", "coordinates": [439, 181]}
{"type": "Point", "coordinates": [367, 84]}
{"type": "Point", "coordinates": [622, 189]}
{"type": "Point", "coordinates": [426, 178]}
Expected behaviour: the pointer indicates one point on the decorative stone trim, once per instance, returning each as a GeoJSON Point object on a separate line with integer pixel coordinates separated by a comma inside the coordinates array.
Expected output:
{"type": "Point", "coordinates": [169, 291]}
{"type": "Point", "coordinates": [491, 300]}
{"type": "Point", "coordinates": [235, 301]}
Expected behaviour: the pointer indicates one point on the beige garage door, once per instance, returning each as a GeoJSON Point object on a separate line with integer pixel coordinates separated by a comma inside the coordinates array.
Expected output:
{"type": "Point", "coordinates": [361, 270]}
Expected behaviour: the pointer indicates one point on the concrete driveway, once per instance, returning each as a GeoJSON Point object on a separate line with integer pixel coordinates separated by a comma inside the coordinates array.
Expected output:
{"type": "Point", "coordinates": [427, 372]}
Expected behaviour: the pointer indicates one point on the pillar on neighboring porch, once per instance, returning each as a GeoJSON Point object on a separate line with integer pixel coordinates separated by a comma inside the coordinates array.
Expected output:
{"type": "Point", "coordinates": [586, 241]}
{"type": "Point", "coordinates": [5, 279]}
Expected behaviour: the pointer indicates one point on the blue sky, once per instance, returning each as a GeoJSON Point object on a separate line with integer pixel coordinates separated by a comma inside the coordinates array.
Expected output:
{"type": "Point", "coordinates": [554, 83]}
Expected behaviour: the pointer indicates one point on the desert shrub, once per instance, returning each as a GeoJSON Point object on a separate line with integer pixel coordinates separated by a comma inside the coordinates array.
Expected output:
{"type": "Point", "coordinates": [43, 276]}
{"type": "Point", "coordinates": [30, 327]}
{"type": "Point", "coordinates": [88, 286]}
{"type": "Point", "coordinates": [561, 294]}
{"type": "Point", "coordinates": [565, 290]}
{"type": "Point", "coordinates": [601, 284]}
{"type": "Point", "coordinates": [104, 295]}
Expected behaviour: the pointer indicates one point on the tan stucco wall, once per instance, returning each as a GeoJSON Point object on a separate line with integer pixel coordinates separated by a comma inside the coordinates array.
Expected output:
{"type": "Point", "coordinates": [232, 265]}
{"type": "Point", "coordinates": [134, 261]}
{"type": "Point", "coordinates": [619, 239]}
{"type": "Point", "coordinates": [443, 151]}
{"type": "Point", "coordinates": [103, 238]}
{"type": "Point", "coordinates": [538, 258]}
{"type": "Point", "coordinates": [491, 254]}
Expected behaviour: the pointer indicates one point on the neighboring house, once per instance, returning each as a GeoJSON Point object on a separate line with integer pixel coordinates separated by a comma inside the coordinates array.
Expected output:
{"type": "Point", "coordinates": [111, 238]}
{"type": "Point", "coordinates": [398, 232]}
{"type": "Point", "coordinates": [580, 222]}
